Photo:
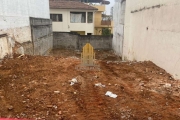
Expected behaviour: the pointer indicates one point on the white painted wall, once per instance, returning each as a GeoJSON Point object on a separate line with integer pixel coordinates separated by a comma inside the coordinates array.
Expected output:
{"type": "Point", "coordinates": [118, 32]}
{"type": "Point", "coordinates": [67, 26]}
{"type": "Point", "coordinates": [153, 34]}
{"type": "Point", "coordinates": [14, 20]}
{"type": "Point", "coordinates": [14, 14]}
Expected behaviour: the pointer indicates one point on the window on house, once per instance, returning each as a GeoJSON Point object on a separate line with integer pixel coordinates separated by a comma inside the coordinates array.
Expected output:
{"type": "Point", "coordinates": [56, 17]}
{"type": "Point", "coordinates": [78, 17]}
{"type": "Point", "coordinates": [90, 17]}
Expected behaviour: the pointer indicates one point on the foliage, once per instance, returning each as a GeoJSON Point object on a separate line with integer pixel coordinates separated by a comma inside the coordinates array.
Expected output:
{"type": "Point", "coordinates": [106, 31]}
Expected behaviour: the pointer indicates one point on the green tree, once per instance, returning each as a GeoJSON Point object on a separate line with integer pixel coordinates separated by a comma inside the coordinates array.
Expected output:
{"type": "Point", "coordinates": [106, 31]}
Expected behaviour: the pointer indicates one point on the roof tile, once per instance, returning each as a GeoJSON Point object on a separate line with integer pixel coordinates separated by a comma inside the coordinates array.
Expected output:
{"type": "Point", "coordinates": [70, 5]}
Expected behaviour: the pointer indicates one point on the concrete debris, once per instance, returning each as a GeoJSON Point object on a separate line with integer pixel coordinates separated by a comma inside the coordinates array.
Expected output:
{"type": "Point", "coordinates": [96, 77]}
{"type": "Point", "coordinates": [20, 50]}
{"type": "Point", "coordinates": [141, 84]}
{"type": "Point", "coordinates": [59, 112]}
{"type": "Point", "coordinates": [110, 94]}
{"type": "Point", "coordinates": [21, 55]}
{"type": "Point", "coordinates": [167, 85]}
{"type": "Point", "coordinates": [55, 107]}
{"type": "Point", "coordinates": [73, 81]}
{"type": "Point", "coordinates": [10, 107]}
{"type": "Point", "coordinates": [149, 118]}
{"type": "Point", "coordinates": [49, 106]}
{"type": "Point", "coordinates": [99, 85]}
{"type": "Point", "coordinates": [56, 92]}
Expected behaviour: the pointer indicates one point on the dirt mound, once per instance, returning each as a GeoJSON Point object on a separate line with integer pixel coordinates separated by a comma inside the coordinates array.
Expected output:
{"type": "Point", "coordinates": [38, 87]}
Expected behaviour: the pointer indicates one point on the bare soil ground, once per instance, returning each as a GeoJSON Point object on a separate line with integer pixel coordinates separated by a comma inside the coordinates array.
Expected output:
{"type": "Point", "coordinates": [38, 87]}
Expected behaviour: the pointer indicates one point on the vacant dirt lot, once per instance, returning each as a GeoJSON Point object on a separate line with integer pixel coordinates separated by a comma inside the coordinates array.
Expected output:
{"type": "Point", "coordinates": [38, 87]}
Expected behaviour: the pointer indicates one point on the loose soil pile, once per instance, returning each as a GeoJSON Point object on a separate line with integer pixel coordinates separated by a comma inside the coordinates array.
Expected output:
{"type": "Point", "coordinates": [38, 87]}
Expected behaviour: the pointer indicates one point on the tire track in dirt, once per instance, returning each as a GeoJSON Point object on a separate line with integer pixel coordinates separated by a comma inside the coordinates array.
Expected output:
{"type": "Point", "coordinates": [90, 101]}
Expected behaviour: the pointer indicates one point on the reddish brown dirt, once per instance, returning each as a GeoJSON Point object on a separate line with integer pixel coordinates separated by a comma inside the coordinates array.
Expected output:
{"type": "Point", "coordinates": [27, 86]}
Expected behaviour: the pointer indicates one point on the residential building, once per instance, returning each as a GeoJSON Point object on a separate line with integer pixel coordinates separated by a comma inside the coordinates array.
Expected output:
{"type": "Point", "coordinates": [102, 21]}
{"type": "Point", "coordinates": [150, 32]}
{"type": "Point", "coordinates": [72, 16]}
{"type": "Point", "coordinates": [15, 24]}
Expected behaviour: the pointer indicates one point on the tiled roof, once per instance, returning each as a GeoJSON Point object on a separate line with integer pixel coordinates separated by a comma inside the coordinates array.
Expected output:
{"type": "Point", "coordinates": [70, 5]}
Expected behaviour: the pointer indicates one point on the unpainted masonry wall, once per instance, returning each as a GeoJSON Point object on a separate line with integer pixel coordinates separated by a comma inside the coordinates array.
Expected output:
{"type": "Point", "coordinates": [42, 36]}
{"type": "Point", "coordinates": [75, 41]}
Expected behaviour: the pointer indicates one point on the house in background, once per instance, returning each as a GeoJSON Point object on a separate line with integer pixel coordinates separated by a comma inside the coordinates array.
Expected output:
{"type": "Point", "coordinates": [102, 20]}
{"type": "Point", "coordinates": [72, 16]}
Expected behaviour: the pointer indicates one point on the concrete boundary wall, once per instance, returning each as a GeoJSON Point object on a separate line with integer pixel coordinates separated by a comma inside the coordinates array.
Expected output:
{"type": "Point", "coordinates": [74, 41]}
{"type": "Point", "coordinates": [152, 32]}
{"type": "Point", "coordinates": [42, 36]}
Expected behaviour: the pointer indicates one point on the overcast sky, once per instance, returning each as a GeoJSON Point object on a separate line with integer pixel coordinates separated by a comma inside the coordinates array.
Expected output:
{"type": "Point", "coordinates": [108, 7]}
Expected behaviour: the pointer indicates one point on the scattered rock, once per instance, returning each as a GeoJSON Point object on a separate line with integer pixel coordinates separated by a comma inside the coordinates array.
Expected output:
{"type": "Point", "coordinates": [141, 84]}
{"type": "Point", "coordinates": [10, 107]}
{"type": "Point", "coordinates": [99, 85]}
{"type": "Point", "coordinates": [55, 107]}
{"type": "Point", "coordinates": [110, 94]}
{"type": "Point", "coordinates": [167, 85]}
{"type": "Point", "coordinates": [57, 92]}
{"type": "Point", "coordinates": [96, 77]}
{"type": "Point", "coordinates": [73, 81]}
{"type": "Point", "coordinates": [44, 78]}
{"type": "Point", "coordinates": [123, 117]}
{"type": "Point", "coordinates": [59, 112]}
{"type": "Point", "coordinates": [49, 106]}
{"type": "Point", "coordinates": [149, 118]}
{"type": "Point", "coordinates": [109, 84]}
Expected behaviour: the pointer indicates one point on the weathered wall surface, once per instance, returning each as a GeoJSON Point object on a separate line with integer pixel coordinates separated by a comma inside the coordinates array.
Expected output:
{"type": "Point", "coordinates": [118, 32]}
{"type": "Point", "coordinates": [5, 46]}
{"type": "Point", "coordinates": [65, 40]}
{"type": "Point", "coordinates": [74, 41]}
{"type": "Point", "coordinates": [152, 32]}
{"type": "Point", "coordinates": [14, 16]}
{"type": "Point", "coordinates": [14, 19]}
{"type": "Point", "coordinates": [42, 36]}
{"type": "Point", "coordinates": [97, 41]}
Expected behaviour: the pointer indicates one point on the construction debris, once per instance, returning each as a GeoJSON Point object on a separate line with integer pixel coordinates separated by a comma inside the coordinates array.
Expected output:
{"type": "Point", "coordinates": [56, 92]}
{"type": "Point", "coordinates": [110, 94]}
{"type": "Point", "coordinates": [73, 81]}
{"type": "Point", "coordinates": [99, 85]}
{"type": "Point", "coordinates": [167, 85]}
